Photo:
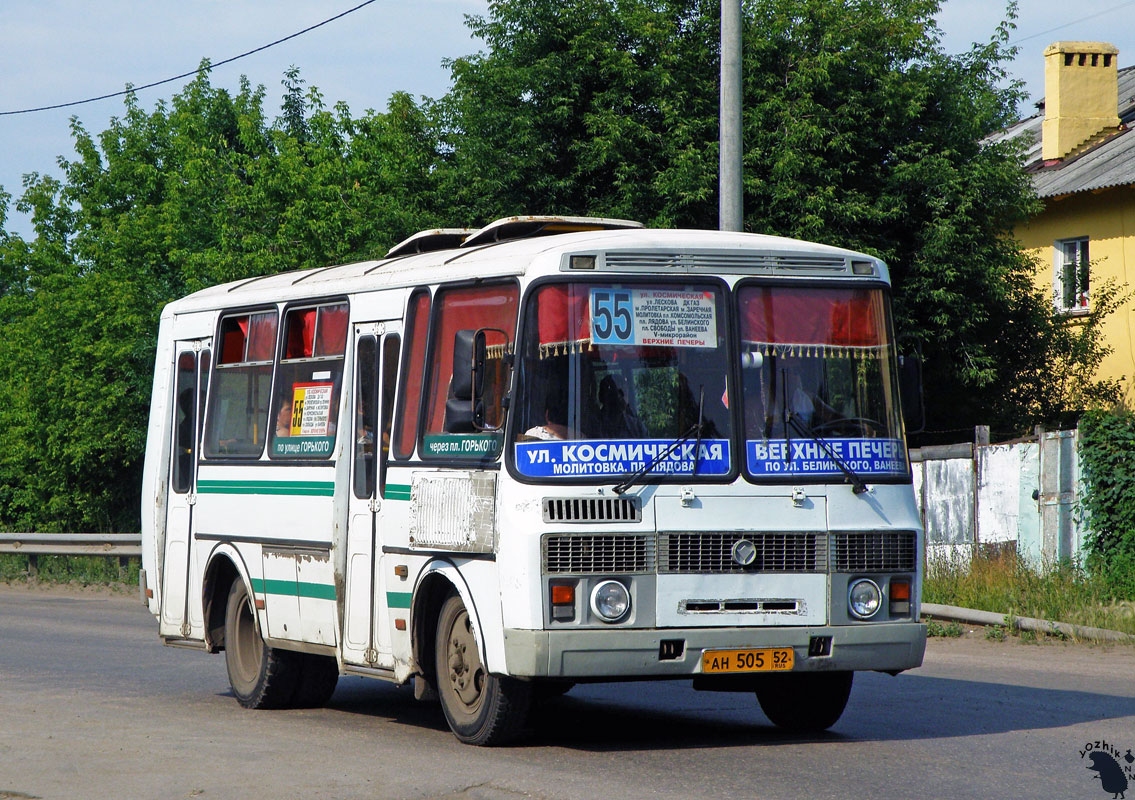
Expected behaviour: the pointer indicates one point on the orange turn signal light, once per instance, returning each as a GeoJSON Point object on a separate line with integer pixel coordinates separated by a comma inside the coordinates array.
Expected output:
{"type": "Point", "coordinates": [563, 595]}
{"type": "Point", "coordinates": [900, 590]}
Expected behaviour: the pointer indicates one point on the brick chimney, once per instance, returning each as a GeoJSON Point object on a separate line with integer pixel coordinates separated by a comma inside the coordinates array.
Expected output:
{"type": "Point", "coordinates": [1081, 95]}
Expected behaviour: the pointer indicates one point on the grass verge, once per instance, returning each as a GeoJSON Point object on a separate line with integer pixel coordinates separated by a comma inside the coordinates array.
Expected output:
{"type": "Point", "coordinates": [76, 570]}
{"type": "Point", "coordinates": [1004, 583]}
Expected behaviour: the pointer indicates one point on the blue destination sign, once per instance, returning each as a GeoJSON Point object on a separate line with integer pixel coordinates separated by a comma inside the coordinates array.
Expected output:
{"type": "Point", "coordinates": [806, 457]}
{"type": "Point", "coordinates": [614, 457]}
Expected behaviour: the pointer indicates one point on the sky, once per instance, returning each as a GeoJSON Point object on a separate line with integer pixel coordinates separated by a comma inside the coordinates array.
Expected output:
{"type": "Point", "coordinates": [58, 51]}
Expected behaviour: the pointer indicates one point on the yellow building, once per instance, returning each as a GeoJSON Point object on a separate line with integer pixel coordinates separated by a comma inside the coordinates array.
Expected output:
{"type": "Point", "coordinates": [1083, 167]}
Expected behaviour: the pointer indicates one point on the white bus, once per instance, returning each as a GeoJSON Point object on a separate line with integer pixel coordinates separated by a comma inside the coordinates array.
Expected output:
{"type": "Point", "coordinates": [501, 462]}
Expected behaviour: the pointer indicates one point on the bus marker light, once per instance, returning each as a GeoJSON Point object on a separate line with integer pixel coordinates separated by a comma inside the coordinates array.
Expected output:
{"type": "Point", "coordinates": [399, 624]}
{"type": "Point", "coordinates": [563, 595]}
{"type": "Point", "coordinates": [900, 598]}
{"type": "Point", "coordinates": [402, 571]}
{"type": "Point", "coordinates": [259, 603]}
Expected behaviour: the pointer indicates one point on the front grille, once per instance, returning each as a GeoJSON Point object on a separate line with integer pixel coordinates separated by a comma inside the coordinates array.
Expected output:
{"type": "Point", "coordinates": [592, 509]}
{"type": "Point", "coordinates": [580, 554]}
{"type": "Point", "coordinates": [875, 551]}
{"type": "Point", "coordinates": [712, 551]}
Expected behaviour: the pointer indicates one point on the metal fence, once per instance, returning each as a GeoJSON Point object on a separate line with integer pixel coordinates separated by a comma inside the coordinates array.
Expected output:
{"type": "Point", "coordinates": [122, 546]}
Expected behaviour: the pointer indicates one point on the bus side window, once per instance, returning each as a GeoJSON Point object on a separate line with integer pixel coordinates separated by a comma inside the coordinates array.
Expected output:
{"type": "Point", "coordinates": [390, 349]}
{"type": "Point", "coordinates": [309, 376]}
{"type": "Point", "coordinates": [467, 309]}
{"type": "Point", "coordinates": [237, 418]}
{"type": "Point", "coordinates": [365, 413]}
{"type": "Point", "coordinates": [185, 423]}
{"type": "Point", "coordinates": [409, 396]}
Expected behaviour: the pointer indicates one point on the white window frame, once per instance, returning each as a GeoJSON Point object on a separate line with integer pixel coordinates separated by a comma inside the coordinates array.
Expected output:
{"type": "Point", "coordinates": [1072, 293]}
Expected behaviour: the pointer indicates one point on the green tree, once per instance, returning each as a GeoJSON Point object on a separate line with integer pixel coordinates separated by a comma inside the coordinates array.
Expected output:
{"type": "Point", "coordinates": [859, 131]}
{"type": "Point", "coordinates": [197, 191]}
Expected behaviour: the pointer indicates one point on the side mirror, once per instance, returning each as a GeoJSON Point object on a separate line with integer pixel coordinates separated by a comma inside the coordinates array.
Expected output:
{"type": "Point", "coordinates": [461, 387]}
{"type": "Point", "coordinates": [482, 356]}
{"type": "Point", "coordinates": [910, 390]}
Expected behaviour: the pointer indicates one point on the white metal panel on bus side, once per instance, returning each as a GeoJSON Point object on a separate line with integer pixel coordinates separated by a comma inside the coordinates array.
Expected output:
{"type": "Point", "coordinates": [155, 469]}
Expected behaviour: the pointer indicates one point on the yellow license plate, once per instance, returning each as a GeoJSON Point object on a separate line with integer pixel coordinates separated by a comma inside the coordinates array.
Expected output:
{"type": "Point", "coordinates": [772, 659]}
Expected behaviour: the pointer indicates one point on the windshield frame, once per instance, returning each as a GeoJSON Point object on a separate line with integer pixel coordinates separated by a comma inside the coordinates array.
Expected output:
{"type": "Point", "coordinates": [741, 433]}
{"type": "Point", "coordinates": [726, 330]}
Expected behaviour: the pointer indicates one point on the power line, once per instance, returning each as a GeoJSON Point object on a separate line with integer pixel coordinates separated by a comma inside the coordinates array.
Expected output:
{"type": "Point", "coordinates": [197, 71]}
{"type": "Point", "coordinates": [1073, 22]}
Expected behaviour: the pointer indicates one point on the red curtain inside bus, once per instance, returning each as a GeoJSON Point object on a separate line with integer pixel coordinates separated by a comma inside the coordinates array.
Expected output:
{"type": "Point", "coordinates": [331, 338]}
{"type": "Point", "coordinates": [564, 319]}
{"type": "Point", "coordinates": [812, 316]}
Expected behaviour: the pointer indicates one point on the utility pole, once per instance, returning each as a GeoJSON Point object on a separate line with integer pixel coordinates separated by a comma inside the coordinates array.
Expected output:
{"type": "Point", "coordinates": [729, 159]}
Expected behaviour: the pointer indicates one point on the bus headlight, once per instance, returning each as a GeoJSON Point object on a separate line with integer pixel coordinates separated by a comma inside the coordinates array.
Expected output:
{"type": "Point", "coordinates": [610, 601]}
{"type": "Point", "coordinates": [864, 598]}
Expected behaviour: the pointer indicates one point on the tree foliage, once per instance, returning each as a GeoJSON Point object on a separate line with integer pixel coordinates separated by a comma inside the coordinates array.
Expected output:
{"type": "Point", "coordinates": [859, 130]}
{"type": "Point", "coordinates": [1107, 440]}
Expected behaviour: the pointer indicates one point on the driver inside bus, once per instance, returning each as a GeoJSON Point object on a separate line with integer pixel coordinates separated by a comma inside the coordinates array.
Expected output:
{"type": "Point", "coordinates": [555, 420]}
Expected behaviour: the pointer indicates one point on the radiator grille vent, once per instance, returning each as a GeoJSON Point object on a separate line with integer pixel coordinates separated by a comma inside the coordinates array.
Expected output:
{"type": "Point", "coordinates": [580, 554]}
{"type": "Point", "coordinates": [712, 551]}
{"type": "Point", "coordinates": [725, 262]}
{"type": "Point", "coordinates": [875, 551]}
{"type": "Point", "coordinates": [592, 509]}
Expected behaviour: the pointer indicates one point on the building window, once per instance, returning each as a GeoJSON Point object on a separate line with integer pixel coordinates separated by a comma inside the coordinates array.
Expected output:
{"type": "Point", "coordinates": [1071, 279]}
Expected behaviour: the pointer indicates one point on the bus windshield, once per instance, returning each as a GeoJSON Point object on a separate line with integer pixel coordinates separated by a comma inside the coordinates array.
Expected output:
{"type": "Point", "coordinates": [610, 375]}
{"type": "Point", "coordinates": [818, 383]}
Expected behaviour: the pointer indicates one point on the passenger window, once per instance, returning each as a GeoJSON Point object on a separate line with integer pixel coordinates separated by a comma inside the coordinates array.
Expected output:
{"type": "Point", "coordinates": [450, 430]}
{"type": "Point", "coordinates": [390, 350]}
{"type": "Point", "coordinates": [417, 323]}
{"type": "Point", "coordinates": [237, 418]}
{"type": "Point", "coordinates": [185, 423]}
{"type": "Point", "coordinates": [305, 405]}
{"type": "Point", "coordinates": [365, 416]}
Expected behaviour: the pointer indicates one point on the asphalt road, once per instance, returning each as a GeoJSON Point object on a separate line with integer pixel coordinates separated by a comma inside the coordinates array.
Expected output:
{"type": "Point", "coordinates": [93, 706]}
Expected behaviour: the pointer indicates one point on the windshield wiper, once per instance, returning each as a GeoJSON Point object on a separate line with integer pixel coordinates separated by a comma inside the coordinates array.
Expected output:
{"type": "Point", "coordinates": [634, 477]}
{"type": "Point", "coordinates": [857, 484]}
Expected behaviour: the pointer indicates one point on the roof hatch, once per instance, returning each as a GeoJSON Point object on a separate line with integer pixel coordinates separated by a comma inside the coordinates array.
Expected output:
{"type": "Point", "coordinates": [427, 241]}
{"type": "Point", "coordinates": [527, 227]}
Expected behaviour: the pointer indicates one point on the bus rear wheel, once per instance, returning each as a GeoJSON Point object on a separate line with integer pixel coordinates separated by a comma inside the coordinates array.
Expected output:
{"type": "Point", "coordinates": [804, 702]}
{"type": "Point", "coordinates": [260, 676]}
{"type": "Point", "coordinates": [481, 708]}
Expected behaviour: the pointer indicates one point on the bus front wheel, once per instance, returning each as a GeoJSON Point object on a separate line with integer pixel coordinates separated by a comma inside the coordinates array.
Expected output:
{"type": "Point", "coordinates": [260, 676]}
{"type": "Point", "coordinates": [481, 708]}
{"type": "Point", "coordinates": [804, 702]}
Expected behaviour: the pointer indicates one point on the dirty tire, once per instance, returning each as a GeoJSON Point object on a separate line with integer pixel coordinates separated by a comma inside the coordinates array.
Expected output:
{"type": "Point", "coordinates": [481, 709]}
{"type": "Point", "coordinates": [260, 676]}
{"type": "Point", "coordinates": [804, 702]}
{"type": "Point", "coordinates": [317, 680]}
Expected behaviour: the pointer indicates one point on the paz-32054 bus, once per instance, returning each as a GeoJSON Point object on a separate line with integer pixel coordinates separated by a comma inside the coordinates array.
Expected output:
{"type": "Point", "coordinates": [497, 463]}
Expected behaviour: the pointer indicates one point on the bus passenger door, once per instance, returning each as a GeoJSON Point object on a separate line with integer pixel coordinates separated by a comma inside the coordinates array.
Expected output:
{"type": "Point", "coordinates": [181, 615]}
{"type": "Point", "coordinates": [366, 640]}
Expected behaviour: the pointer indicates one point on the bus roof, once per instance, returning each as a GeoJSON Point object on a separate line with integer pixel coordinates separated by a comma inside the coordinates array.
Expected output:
{"type": "Point", "coordinates": [636, 250]}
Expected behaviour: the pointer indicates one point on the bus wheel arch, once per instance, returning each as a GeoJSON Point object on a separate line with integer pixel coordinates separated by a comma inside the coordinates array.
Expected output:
{"type": "Point", "coordinates": [429, 596]}
{"type": "Point", "coordinates": [224, 569]}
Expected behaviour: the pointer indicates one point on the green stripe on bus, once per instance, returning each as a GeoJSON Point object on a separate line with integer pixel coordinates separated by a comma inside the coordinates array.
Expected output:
{"type": "Point", "coordinates": [304, 488]}
{"type": "Point", "coordinates": [318, 591]}
{"type": "Point", "coordinates": [397, 491]}
{"type": "Point", "coordinates": [398, 599]}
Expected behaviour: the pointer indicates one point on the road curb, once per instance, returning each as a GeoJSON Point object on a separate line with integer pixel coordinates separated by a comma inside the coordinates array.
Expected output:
{"type": "Point", "coordinates": [976, 617]}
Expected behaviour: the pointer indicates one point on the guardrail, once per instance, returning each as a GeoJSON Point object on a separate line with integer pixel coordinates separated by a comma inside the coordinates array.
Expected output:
{"type": "Point", "coordinates": [118, 545]}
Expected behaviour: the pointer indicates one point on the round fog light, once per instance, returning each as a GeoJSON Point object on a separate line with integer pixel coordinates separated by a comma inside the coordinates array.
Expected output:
{"type": "Point", "coordinates": [864, 598]}
{"type": "Point", "coordinates": [610, 601]}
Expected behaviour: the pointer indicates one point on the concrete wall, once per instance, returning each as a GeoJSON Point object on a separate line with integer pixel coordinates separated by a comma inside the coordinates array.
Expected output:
{"type": "Point", "coordinates": [1018, 495]}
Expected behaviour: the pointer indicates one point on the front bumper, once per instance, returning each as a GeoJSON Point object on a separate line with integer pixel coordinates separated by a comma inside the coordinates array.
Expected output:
{"type": "Point", "coordinates": [629, 653]}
